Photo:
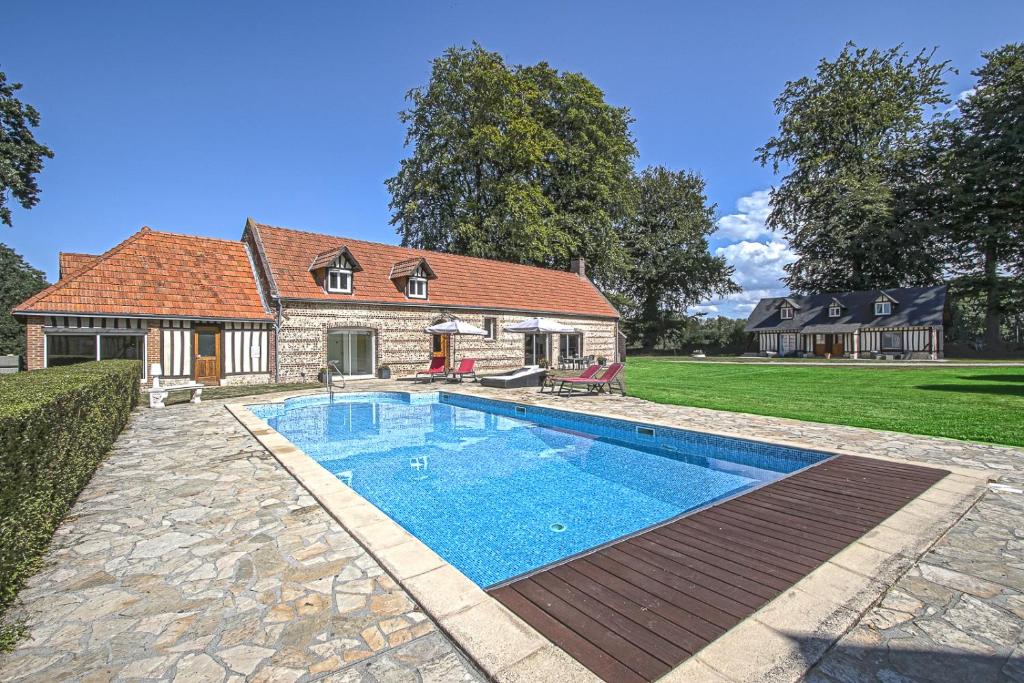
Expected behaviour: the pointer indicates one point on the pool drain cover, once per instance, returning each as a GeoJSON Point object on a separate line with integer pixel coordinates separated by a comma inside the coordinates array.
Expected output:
{"type": "Point", "coordinates": [558, 527]}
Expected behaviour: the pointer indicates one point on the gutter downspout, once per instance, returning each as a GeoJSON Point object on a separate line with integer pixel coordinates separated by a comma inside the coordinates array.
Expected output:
{"type": "Point", "coordinates": [277, 342]}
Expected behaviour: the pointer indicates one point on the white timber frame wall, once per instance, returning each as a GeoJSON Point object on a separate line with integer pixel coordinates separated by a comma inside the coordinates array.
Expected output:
{"type": "Point", "coordinates": [244, 349]}
{"type": "Point", "coordinates": [867, 340]}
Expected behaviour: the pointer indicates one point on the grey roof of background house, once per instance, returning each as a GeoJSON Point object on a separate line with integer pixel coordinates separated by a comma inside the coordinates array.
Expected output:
{"type": "Point", "coordinates": [917, 307]}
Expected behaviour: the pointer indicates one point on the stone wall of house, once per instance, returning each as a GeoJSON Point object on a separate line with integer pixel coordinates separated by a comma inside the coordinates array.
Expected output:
{"type": "Point", "coordinates": [401, 343]}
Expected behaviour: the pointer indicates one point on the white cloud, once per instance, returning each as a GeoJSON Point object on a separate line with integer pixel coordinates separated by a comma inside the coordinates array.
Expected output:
{"type": "Point", "coordinates": [965, 94]}
{"type": "Point", "coordinates": [748, 222]}
{"type": "Point", "coordinates": [759, 265]}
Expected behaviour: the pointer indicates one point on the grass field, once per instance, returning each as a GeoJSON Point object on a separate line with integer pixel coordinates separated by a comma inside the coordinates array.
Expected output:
{"type": "Point", "coordinates": [979, 404]}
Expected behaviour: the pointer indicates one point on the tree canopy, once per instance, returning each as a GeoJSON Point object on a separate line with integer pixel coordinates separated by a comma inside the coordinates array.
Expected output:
{"type": "Point", "coordinates": [850, 140]}
{"type": "Point", "coordinates": [18, 281]}
{"type": "Point", "coordinates": [666, 239]}
{"type": "Point", "coordinates": [516, 163]}
{"type": "Point", "coordinates": [975, 187]}
{"type": "Point", "coordinates": [21, 157]}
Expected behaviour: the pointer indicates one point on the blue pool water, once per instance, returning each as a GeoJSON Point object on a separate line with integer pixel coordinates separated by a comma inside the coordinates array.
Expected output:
{"type": "Point", "coordinates": [499, 491]}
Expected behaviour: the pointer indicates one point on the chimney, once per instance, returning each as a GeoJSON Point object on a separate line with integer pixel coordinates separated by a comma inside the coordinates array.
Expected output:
{"type": "Point", "coordinates": [578, 265]}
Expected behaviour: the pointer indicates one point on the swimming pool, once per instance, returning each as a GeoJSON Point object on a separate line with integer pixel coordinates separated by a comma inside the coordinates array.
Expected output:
{"type": "Point", "coordinates": [499, 489]}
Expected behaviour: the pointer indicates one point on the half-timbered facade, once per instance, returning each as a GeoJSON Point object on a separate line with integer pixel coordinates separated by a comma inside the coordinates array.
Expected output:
{"type": "Point", "coordinates": [905, 322]}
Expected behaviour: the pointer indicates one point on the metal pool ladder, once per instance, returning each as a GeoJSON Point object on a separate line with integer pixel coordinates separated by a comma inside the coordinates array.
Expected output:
{"type": "Point", "coordinates": [332, 366]}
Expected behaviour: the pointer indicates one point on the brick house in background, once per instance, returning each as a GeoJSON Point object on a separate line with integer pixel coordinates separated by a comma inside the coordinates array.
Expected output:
{"type": "Point", "coordinates": [280, 303]}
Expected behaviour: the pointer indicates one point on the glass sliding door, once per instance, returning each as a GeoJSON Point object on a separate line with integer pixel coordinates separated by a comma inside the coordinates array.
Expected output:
{"type": "Point", "coordinates": [537, 346]}
{"type": "Point", "coordinates": [352, 350]}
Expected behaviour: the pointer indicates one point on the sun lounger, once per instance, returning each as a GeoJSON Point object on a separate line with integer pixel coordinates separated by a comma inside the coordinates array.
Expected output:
{"type": "Point", "coordinates": [529, 376]}
{"type": "Point", "coordinates": [465, 369]}
{"type": "Point", "coordinates": [437, 367]}
{"type": "Point", "coordinates": [609, 378]}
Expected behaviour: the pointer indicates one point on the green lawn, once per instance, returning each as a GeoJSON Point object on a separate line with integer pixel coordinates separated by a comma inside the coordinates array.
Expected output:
{"type": "Point", "coordinates": [979, 404]}
{"type": "Point", "coordinates": [237, 390]}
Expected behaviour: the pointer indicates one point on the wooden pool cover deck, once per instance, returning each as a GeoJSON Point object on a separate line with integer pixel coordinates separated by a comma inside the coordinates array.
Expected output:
{"type": "Point", "coordinates": [636, 609]}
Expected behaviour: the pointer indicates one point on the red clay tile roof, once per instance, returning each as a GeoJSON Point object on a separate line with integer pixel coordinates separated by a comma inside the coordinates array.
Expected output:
{"type": "Point", "coordinates": [462, 281]}
{"type": "Point", "coordinates": [160, 274]}
{"type": "Point", "coordinates": [71, 262]}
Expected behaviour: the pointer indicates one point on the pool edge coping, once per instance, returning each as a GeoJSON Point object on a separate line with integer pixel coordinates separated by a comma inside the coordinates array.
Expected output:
{"type": "Point", "coordinates": [506, 648]}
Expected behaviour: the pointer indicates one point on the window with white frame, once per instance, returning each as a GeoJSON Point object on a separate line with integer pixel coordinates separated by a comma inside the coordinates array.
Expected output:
{"type": "Point", "coordinates": [892, 341]}
{"type": "Point", "coordinates": [416, 287]}
{"type": "Point", "coordinates": [786, 312]}
{"type": "Point", "coordinates": [883, 308]}
{"type": "Point", "coordinates": [834, 311]}
{"type": "Point", "coordinates": [491, 327]}
{"type": "Point", "coordinates": [339, 280]}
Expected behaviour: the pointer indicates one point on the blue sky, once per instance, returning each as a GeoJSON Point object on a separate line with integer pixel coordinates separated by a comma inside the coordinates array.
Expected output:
{"type": "Point", "coordinates": [190, 116]}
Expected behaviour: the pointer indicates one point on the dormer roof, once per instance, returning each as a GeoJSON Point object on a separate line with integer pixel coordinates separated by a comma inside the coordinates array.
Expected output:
{"type": "Point", "coordinates": [329, 256]}
{"type": "Point", "coordinates": [408, 267]}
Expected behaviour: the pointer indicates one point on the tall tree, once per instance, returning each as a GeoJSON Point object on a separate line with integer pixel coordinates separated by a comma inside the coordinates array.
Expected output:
{"type": "Point", "coordinates": [849, 138]}
{"type": "Point", "coordinates": [18, 281]}
{"type": "Point", "coordinates": [21, 157]}
{"type": "Point", "coordinates": [976, 187]}
{"type": "Point", "coordinates": [516, 163]}
{"type": "Point", "coordinates": [666, 237]}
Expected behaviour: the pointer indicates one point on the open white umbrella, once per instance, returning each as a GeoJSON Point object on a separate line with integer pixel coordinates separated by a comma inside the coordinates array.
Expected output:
{"type": "Point", "coordinates": [456, 327]}
{"type": "Point", "coordinates": [540, 326]}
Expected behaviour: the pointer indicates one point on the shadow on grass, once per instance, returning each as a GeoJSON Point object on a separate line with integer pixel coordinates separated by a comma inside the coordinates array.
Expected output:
{"type": "Point", "coordinates": [995, 378]}
{"type": "Point", "coordinates": [995, 389]}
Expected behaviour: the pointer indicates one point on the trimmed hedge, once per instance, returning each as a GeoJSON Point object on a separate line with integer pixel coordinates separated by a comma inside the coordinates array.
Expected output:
{"type": "Point", "coordinates": [55, 427]}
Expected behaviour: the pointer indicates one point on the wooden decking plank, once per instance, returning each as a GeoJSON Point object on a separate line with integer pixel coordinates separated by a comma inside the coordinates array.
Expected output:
{"type": "Point", "coordinates": [692, 617]}
{"type": "Point", "coordinates": [593, 630]}
{"type": "Point", "coordinates": [796, 506]}
{"type": "Point", "coordinates": [764, 573]}
{"type": "Point", "coordinates": [695, 601]}
{"type": "Point", "coordinates": [649, 641]}
{"type": "Point", "coordinates": [634, 609]}
{"type": "Point", "coordinates": [779, 526]}
{"type": "Point", "coordinates": [643, 616]}
{"type": "Point", "coordinates": [783, 567]}
{"type": "Point", "coordinates": [578, 647]}
{"type": "Point", "coordinates": [705, 526]}
{"type": "Point", "coordinates": [749, 579]}
{"type": "Point", "coordinates": [831, 500]}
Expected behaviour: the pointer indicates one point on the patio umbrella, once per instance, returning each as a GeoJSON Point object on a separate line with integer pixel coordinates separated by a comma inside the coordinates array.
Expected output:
{"type": "Point", "coordinates": [540, 326]}
{"type": "Point", "coordinates": [456, 327]}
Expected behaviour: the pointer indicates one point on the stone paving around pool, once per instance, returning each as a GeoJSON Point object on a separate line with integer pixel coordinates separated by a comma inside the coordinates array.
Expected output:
{"type": "Point", "coordinates": [192, 555]}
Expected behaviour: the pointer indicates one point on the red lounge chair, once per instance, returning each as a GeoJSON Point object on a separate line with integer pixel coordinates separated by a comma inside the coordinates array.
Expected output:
{"type": "Point", "coordinates": [551, 381]}
{"type": "Point", "coordinates": [465, 369]}
{"type": "Point", "coordinates": [437, 367]}
{"type": "Point", "coordinates": [609, 378]}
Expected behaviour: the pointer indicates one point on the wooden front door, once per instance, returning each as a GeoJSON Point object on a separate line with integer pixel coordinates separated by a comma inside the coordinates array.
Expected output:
{"type": "Point", "coordinates": [206, 362]}
{"type": "Point", "coordinates": [441, 348]}
{"type": "Point", "coordinates": [837, 345]}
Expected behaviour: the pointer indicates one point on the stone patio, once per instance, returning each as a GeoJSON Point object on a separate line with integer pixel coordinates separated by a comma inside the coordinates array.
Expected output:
{"type": "Point", "coordinates": [192, 555]}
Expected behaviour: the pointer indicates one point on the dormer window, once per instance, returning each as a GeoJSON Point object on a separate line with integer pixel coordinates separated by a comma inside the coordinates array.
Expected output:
{"type": "Point", "coordinates": [834, 311]}
{"type": "Point", "coordinates": [786, 312]}
{"type": "Point", "coordinates": [411, 276]}
{"type": "Point", "coordinates": [883, 308]}
{"type": "Point", "coordinates": [339, 280]}
{"type": "Point", "coordinates": [416, 288]}
{"type": "Point", "coordinates": [337, 266]}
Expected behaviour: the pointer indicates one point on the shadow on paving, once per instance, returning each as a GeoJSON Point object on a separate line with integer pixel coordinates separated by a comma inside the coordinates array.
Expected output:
{"type": "Point", "coordinates": [891, 663]}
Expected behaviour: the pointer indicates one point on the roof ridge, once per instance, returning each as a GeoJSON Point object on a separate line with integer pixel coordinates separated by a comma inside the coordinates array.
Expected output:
{"type": "Point", "coordinates": [197, 237]}
{"type": "Point", "coordinates": [418, 250]}
{"type": "Point", "coordinates": [72, 277]}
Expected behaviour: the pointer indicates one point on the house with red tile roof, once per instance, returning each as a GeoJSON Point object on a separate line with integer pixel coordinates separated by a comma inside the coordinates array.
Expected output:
{"type": "Point", "coordinates": [280, 304]}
